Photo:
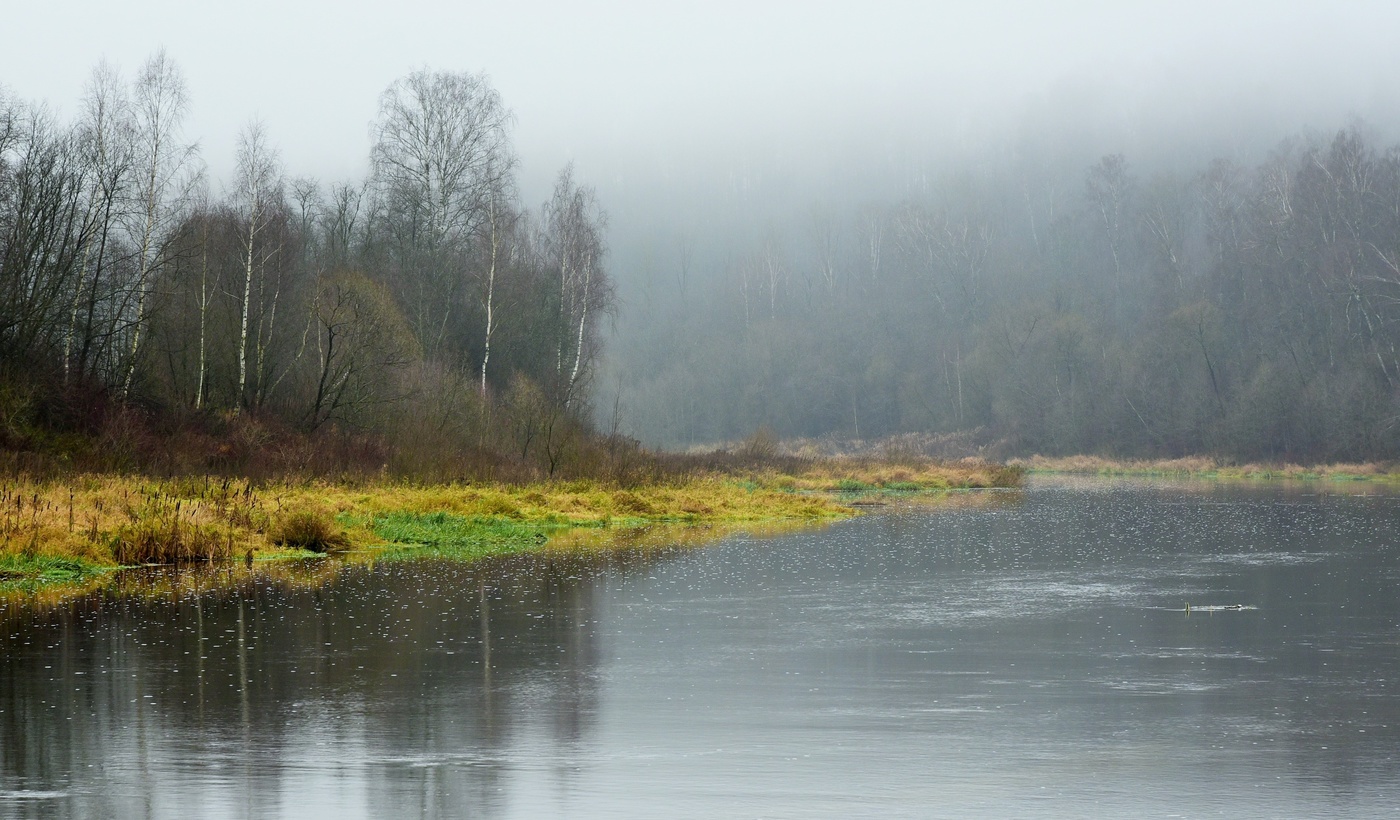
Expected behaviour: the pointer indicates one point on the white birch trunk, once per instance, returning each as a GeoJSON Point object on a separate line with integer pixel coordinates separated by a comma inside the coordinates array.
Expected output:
{"type": "Point", "coordinates": [247, 296]}
{"type": "Point", "coordinates": [143, 264]}
{"type": "Point", "coordinates": [203, 316]}
{"type": "Point", "coordinates": [490, 292]}
{"type": "Point", "coordinates": [582, 320]}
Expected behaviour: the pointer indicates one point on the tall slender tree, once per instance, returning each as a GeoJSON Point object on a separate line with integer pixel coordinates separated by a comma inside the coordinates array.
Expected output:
{"type": "Point", "coordinates": [165, 175]}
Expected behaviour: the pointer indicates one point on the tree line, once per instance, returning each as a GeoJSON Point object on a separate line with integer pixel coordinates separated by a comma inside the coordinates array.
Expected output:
{"type": "Point", "coordinates": [423, 303]}
{"type": "Point", "coordinates": [1243, 310]}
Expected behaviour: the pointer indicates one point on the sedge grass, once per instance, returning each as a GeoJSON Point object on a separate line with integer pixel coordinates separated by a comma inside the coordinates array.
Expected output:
{"type": "Point", "coordinates": [1206, 467]}
{"type": "Point", "coordinates": [105, 521]}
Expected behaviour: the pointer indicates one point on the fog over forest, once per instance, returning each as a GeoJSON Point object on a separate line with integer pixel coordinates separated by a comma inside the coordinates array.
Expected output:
{"type": "Point", "coordinates": [1008, 230]}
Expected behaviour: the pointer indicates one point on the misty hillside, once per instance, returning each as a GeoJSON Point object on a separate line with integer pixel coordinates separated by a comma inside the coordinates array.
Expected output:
{"type": "Point", "coordinates": [1082, 228]}
{"type": "Point", "coordinates": [1246, 310]}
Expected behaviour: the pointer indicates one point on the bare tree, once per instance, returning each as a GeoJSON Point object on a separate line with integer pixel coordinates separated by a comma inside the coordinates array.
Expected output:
{"type": "Point", "coordinates": [106, 142]}
{"type": "Point", "coordinates": [340, 223]}
{"type": "Point", "coordinates": [1107, 187]}
{"type": "Point", "coordinates": [441, 147]}
{"type": "Point", "coordinates": [41, 223]}
{"type": "Point", "coordinates": [574, 224]}
{"type": "Point", "coordinates": [825, 243]}
{"type": "Point", "coordinates": [499, 229]}
{"type": "Point", "coordinates": [360, 339]}
{"type": "Point", "coordinates": [165, 176]}
{"type": "Point", "coordinates": [258, 193]}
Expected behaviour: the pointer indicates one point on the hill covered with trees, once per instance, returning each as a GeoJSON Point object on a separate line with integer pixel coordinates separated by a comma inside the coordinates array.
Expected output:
{"type": "Point", "coordinates": [1250, 311]}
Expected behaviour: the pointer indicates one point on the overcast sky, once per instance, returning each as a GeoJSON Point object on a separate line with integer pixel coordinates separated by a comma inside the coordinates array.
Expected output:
{"type": "Point", "coordinates": [636, 88]}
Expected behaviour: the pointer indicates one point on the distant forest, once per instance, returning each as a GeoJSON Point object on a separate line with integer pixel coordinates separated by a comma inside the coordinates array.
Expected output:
{"type": "Point", "coordinates": [423, 308]}
{"type": "Point", "coordinates": [1250, 312]}
{"type": "Point", "coordinates": [424, 320]}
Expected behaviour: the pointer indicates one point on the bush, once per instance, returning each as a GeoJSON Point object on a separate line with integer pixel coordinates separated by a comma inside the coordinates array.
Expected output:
{"type": "Point", "coordinates": [309, 530]}
{"type": "Point", "coordinates": [628, 502]}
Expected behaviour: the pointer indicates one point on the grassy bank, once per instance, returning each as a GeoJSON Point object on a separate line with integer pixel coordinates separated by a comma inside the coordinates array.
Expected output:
{"type": "Point", "coordinates": [1206, 467]}
{"type": "Point", "coordinates": [68, 530]}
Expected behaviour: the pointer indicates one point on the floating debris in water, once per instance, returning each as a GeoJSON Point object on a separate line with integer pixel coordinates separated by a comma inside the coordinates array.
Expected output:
{"type": "Point", "coordinates": [1215, 608]}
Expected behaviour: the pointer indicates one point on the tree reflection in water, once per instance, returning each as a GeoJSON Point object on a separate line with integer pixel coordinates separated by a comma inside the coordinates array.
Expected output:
{"type": "Point", "coordinates": [223, 690]}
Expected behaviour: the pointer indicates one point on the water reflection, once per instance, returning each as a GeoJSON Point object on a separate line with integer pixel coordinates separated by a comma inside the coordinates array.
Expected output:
{"type": "Point", "coordinates": [206, 692]}
{"type": "Point", "coordinates": [1030, 655]}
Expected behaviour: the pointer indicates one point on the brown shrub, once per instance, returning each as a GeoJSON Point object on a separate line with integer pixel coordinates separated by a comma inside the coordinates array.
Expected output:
{"type": "Point", "coordinates": [309, 530]}
{"type": "Point", "coordinates": [629, 502]}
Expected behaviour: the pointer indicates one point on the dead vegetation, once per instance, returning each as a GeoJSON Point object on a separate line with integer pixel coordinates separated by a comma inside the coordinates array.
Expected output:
{"type": "Point", "coordinates": [127, 520]}
{"type": "Point", "coordinates": [1204, 466]}
{"type": "Point", "coordinates": [308, 529]}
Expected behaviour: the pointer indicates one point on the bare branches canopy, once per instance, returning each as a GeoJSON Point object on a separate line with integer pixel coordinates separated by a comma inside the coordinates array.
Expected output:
{"type": "Point", "coordinates": [319, 303]}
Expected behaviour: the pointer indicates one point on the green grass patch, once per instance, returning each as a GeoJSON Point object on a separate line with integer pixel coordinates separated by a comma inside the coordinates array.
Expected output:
{"type": "Point", "coordinates": [20, 572]}
{"type": "Point", "coordinates": [906, 487]}
{"type": "Point", "coordinates": [441, 534]}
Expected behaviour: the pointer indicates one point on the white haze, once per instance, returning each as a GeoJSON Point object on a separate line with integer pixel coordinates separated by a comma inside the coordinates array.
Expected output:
{"type": "Point", "coordinates": [633, 91]}
{"type": "Point", "coordinates": [708, 119]}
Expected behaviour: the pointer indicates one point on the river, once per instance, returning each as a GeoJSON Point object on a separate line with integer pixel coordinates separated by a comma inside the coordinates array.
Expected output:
{"type": "Point", "coordinates": [1081, 648]}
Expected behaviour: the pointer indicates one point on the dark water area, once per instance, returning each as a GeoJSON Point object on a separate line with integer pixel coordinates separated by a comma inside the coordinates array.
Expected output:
{"type": "Point", "coordinates": [1027, 656]}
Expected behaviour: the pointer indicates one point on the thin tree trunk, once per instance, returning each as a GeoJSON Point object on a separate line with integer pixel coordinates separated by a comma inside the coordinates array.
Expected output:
{"type": "Point", "coordinates": [203, 314]}
{"type": "Point", "coordinates": [247, 298]}
{"type": "Point", "coordinates": [144, 267]}
{"type": "Point", "coordinates": [490, 295]}
{"type": "Point", "coordinates": [582, 319]}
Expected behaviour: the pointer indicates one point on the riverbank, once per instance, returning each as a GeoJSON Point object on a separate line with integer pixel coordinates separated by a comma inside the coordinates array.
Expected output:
{"type": "Point", "coordinates": [73, 529]}
{"type": "Point", "coordinates": [1206, 467]}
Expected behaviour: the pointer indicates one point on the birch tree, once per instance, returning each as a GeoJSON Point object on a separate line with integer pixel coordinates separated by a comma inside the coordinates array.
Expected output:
{"type": "Point", "coordinates": [258, 193]}
{"type": "Point", "coordinates": [209, 282]}
{"type": "Point", "coordinates": [1107, 188]}
{"type": "Point", "coordinates": [441, 147]}
{"type": "Point", "coordinates": [165, 176]}
{"type": "Point", "coordinates": [499, 231]}
{"type": "Point", "coordinates": [574, 224]}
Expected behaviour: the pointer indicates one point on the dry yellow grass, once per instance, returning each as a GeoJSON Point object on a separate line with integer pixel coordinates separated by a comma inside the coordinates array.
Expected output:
{"type": "Point", "coordinates": [107, 520]}
{"type": "Point", "coordinates": [1205, 466]}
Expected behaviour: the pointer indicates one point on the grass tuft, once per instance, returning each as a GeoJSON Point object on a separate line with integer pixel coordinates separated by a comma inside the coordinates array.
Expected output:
{"type": "Point", "coordinates": [308, 530]}
{"type": "Point", "coordinates": [158, 540]}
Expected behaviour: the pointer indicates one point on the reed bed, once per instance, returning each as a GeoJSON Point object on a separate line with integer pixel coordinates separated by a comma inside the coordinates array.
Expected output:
{"type": "Point", "coordinates": [94, 521]}
{"type": "Point", "coordinates": [1206, 467]}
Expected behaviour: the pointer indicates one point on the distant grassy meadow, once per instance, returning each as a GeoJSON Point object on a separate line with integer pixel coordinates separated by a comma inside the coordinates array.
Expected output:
{"type": "Point", "coordinates": [1206, 467]}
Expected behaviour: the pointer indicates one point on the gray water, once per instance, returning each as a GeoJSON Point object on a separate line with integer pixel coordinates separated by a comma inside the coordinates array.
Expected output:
{"type": "Point", "coordinates": [1029, 655]}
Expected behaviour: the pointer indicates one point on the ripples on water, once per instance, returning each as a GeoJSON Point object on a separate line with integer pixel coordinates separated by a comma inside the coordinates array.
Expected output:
{"type": "Point", "coordinates": [1028, 657]}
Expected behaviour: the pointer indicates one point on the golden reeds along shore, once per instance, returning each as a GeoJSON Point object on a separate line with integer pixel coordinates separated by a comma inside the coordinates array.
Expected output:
{"type": "Point", "coordinates": [1207, 467]}
{"type": "Point", "coordinates": [69, 529]}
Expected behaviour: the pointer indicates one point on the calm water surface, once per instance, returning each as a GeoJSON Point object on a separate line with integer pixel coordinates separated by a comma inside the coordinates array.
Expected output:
{"type": "Point", "coordinates": [1030, 656]}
